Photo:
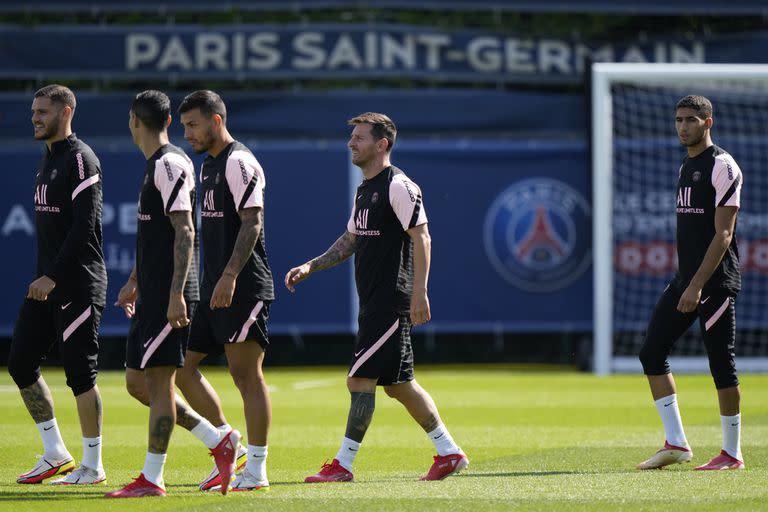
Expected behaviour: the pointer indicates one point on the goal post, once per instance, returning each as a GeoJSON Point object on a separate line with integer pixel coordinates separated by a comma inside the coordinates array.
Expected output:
{"type": "Point", "coordinates": [635, 155]}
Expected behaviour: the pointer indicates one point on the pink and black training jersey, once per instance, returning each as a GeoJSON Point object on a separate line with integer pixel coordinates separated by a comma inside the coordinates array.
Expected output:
{"type": "Point", "coordinates": [386, 206]}
{"type": "Point", "coordinates": [168, 186]}
{"type": "Point", "coordinates": [231, 182]}
{"type": "Point", "coordinates": [707, 181]}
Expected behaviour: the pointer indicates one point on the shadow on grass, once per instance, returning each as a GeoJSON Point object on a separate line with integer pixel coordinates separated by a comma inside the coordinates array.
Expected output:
{"type": "Point", "coordinates": [50, 496]}
{"type": "Point", "coordinates": [520, 473]}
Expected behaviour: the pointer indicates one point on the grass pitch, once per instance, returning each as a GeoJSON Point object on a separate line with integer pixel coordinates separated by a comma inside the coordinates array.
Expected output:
{"type": "Point", "coordinates": [536, 441]}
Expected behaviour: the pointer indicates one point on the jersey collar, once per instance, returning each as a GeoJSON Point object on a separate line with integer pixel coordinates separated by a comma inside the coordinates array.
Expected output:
{"type": "Point", "coordinates": [64, 144]}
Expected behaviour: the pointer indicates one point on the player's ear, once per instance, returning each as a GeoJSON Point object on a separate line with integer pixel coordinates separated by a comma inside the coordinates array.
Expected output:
{"type": "Point", "coordinates": [708, 122]}
{"type": "Point", "coordinates": [67, 112]}
{"type": "Point", "coordinates": [168, 121]}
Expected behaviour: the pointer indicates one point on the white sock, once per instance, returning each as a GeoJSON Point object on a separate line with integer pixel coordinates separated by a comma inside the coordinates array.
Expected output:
{"type": "Point", "coordinates": [670, 418]}
{"type": "Point", "coordinates": [443, 441]}
{"type": "Point", "coordinates": [53, 444]}
{"type": "Point", "coordinates": [153, 468]}
{"type": "Point", "coordinates": [732, 435]}
{"type": "Point", "coordinates": [224, 429]}
{"type": "Point", "coordinates": [207, 433]}
{"type": "Point", "coordinates": [92, 453]}
{"type": "Point", "coordinates": [347, 453]}
{"type": "Point", "coordinates": [257, 462]}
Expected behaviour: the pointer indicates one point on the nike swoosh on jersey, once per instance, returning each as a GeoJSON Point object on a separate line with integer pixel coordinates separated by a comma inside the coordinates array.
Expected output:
{"type": "Point", "coordinates": [704, 300]}
{"type": "Point", "coordinates": [65, 306]}
{"type": "Point", "coordinates": [148, 342]}
{"type": "Point", "coordinates": [232, 338]}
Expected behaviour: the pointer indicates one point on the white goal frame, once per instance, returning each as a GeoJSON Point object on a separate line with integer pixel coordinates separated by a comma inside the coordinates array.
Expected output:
{"type": "Point", "coordinates": [603, 75]}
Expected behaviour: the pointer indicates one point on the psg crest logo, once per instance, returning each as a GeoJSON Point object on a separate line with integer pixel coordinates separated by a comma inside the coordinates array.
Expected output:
{"type": "Point", "coordinates": [537, 234]}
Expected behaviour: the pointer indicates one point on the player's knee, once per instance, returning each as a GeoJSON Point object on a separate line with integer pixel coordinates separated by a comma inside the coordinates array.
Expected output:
{"type": "Point", "coordinates": [653, 360]}
{"type": "Point", "coordinates": [80, 383]}
{"type": "Point", "coordinates": [392, 392]}
{"type": "Point", "coordinates": [244, 377]}
{"type": "Point", "coordinates": [22, 371]}
{"type": "Point", "coordinates": [724, 374]}
{"type": "Point", "coordinates": [137, 389]}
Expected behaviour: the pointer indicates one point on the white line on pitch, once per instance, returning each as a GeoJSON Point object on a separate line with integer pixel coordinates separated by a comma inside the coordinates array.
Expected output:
{"type": "Point", "coordinates": [310, 384]}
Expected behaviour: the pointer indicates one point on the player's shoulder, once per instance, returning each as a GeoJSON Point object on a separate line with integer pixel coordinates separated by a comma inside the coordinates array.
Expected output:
{"type": "Point", "coordinates": [79, 147]}
{"type": "Point", "coordinates": [722, 155]}
{"type": "Point", "coordinates": [242, 162]}
{"type": "Point", "coordinates": [175, 155]}
{"type": "Point", "coordinates": [398, 180]}
{"type": "Point", "coordinates": [239, 152]}
{"type": "Point", "coordinates": [724, 162]}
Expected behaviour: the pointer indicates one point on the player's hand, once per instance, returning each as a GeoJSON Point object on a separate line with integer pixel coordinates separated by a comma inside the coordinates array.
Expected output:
{"type": "Point", "coordinates": [127, 296]}
{"type": "Point", "coordinates": [177, 311]}
{"type": "Point", "coordinates": [296, 275]}
{"type": "Point", "coordinates": [223, 292]}
{"type": "Point", "coordinates": [689, 300]}
{"type": "Point", "coordinates": [40, 288]}
{"type": "Point", "coordinates": [420, 308]}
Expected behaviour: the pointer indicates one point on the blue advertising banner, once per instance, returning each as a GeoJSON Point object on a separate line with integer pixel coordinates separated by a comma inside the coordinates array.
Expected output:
{"type": "Point", "coordinates": [510, 224]}
{"type": "Point", "coordinates": [323, 115]}
{"type": "Point", "coordinates": [682, 7]}
{"type": "Point", "coordinates": [256, 52]}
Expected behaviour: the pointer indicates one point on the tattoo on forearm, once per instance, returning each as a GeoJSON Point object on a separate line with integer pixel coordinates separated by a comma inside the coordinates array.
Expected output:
{"type": "Point", "coordinates": [186, 418]}
{"type": "Point", "coordinates": [341, 249]}
{"type": "Point", "coordinates": [430, 423]}
{"type": "Point", "coordinates": [360, 415]}
{"type": "Point", "coordinates": [38, 400]}
{"type": "Point", "coordinates": [251, 220]}
{"type": "Point", "coordinates": [160, 434]}
{"type": "Point", "coordinates": [182, 249]}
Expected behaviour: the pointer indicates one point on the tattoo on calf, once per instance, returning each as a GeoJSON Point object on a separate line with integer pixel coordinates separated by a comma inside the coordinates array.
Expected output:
{"type": "Point", "coordinates": [360, 415]}
{"type": "Point", "coordinates": [160, 434]}
{"type": "Point", "coordinates": [39, 402]}
{"type": "Point", "coordinates": [186, 418]}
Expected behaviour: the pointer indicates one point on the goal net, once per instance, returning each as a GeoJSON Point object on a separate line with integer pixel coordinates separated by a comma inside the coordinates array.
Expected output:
{"type": "Point", "coordinates": [636, 157]}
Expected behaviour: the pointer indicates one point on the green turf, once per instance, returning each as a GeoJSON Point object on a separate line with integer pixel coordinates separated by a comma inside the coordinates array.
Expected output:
{"type": "Point", "coordinates": [536, 441]}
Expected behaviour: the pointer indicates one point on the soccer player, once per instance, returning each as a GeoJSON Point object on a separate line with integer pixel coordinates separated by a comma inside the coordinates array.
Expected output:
{"type": "Point", "coordinates": [65, 301]}
{"type": "Point", "coordinates": [237, 287]}
{"type": "Point", "coordinates": [161, 295]}
{"type": "Point", "coordinates": [387, 232]}
{"type": "Point", "coordinates": [704, 287]}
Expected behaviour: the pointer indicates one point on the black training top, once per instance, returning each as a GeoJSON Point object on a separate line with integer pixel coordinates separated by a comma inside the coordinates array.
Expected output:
{"type": "Point", "coordinates": [68, 203]}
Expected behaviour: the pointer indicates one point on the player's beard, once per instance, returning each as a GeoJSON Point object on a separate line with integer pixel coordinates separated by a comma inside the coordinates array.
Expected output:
{"type": "Point", "coordinates": [49, 130]}
{"type": "Point", "coordinates": [694, 139]}
{"type": "Point", "coordinates": [206, 143]}
{"type": "Point", "coordinates": [361, 159]}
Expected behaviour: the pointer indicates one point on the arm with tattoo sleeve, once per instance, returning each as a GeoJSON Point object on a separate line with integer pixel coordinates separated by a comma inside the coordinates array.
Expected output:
{"type": "Point", "coordinates": [183, 246]}
{"type": "Point", "coordinates": [340, 251]}
{"type": "Point", "coordinates": [250, 228]}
